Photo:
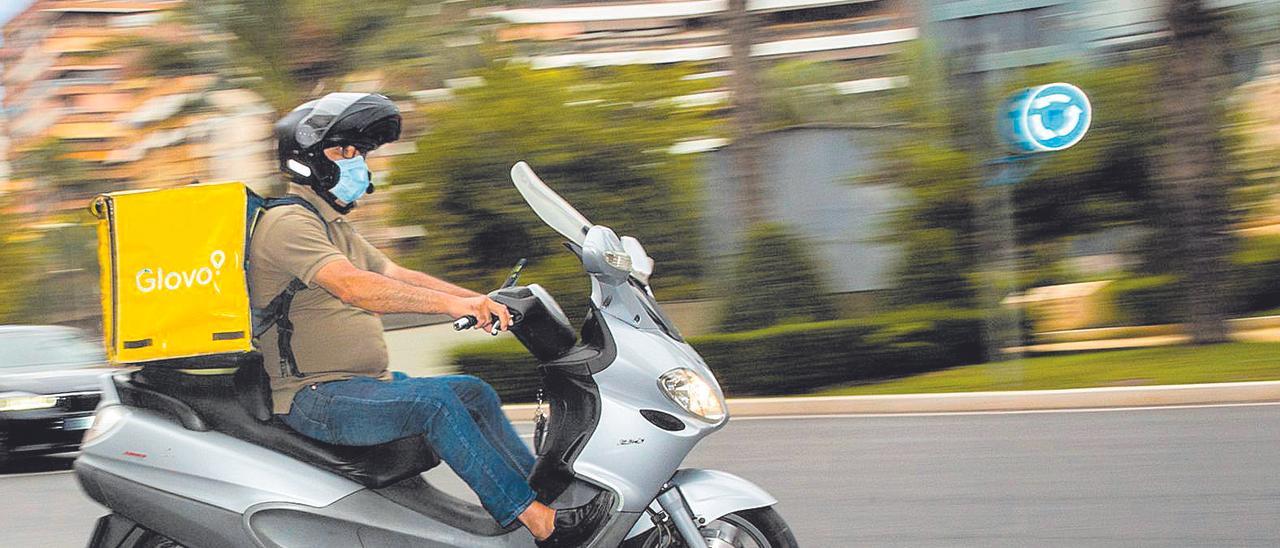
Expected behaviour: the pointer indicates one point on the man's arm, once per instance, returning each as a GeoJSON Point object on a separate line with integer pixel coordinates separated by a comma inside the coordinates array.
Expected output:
{"type": "Point", "coordinates": [420, 279]}
{"type": "Point", "coordinates": [385, 295]}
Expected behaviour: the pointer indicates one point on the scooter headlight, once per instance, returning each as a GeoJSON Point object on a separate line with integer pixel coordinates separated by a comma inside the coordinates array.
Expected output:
{"type": "Point", "coordinates": [693, 393]}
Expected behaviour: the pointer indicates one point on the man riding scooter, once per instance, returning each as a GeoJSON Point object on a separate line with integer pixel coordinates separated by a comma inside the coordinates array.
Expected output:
{"type": "Point", "coordinates": [321, 286]}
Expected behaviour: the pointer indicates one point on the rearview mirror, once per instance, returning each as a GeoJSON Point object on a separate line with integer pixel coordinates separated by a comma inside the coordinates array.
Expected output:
{"type": "Point", "coordinates": [641, 263]}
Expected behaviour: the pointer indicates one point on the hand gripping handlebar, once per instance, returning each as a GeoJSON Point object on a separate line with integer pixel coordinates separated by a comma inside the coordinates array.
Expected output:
{"type": "Point", "coordinates": [467, 322]}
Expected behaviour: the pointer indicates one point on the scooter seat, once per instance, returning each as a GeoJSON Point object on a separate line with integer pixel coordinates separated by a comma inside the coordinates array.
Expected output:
{"type": "Point", "coordinates": [240, 405]}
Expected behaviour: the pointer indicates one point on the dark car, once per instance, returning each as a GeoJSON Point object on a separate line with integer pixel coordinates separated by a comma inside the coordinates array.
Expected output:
{"type": "Point", "coordinates": [49, 387]}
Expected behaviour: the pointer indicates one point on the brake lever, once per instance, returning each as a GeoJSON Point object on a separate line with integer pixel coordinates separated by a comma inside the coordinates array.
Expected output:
{"type": "Point", "coordinates": [515, 319]}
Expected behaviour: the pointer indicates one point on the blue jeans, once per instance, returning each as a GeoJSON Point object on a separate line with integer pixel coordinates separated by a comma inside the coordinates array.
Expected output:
{"type": "Point", "coordinates": [459, 414]}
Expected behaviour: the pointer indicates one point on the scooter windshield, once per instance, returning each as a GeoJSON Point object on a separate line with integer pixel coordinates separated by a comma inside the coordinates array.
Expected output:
{"type": "Point", "coordinates": [549, 206]}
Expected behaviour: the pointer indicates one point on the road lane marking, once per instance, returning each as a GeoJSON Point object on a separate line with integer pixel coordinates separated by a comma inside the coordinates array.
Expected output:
{"type": "Point", "coordinates": [1093, 390]}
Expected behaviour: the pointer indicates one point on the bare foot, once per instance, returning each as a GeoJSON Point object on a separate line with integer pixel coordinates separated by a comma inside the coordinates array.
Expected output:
{"type": "Point", "coordinates": [540, 519]}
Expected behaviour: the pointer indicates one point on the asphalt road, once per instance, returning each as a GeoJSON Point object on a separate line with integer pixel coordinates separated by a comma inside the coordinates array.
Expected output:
{"type": "Point", "coordinates": [1160, 477]}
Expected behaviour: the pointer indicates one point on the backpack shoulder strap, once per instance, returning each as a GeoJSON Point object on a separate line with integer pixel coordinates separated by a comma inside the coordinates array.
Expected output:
{"type": "Point", "coordinates": [277, 311]}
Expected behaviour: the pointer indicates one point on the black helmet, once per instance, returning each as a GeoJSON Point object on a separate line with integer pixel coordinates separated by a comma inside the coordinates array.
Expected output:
{"type": "Point", "coordinates": [363, 120]}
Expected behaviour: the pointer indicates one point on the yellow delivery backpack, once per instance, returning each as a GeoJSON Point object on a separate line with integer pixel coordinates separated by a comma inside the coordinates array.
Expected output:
{"type": "Point", "coordinates": [173, 271]}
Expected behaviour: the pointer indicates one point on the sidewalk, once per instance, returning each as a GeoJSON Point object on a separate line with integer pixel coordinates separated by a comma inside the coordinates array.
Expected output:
{"type": "Point", "coordinates": [1261, 329]}
{"type": "Point", "coordinates": [968, 402]}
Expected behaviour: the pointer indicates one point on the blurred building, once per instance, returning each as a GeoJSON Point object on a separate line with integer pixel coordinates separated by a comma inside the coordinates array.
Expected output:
{"type": "Point", "coordinates": [994, 35]}
{"type": "Point", "coordinates": [811, 190]}
{"type": "Point", "coordinates": [855, 33]}
{"type": "Point", "coordinates": [79, 89]}
{"type": "Point", "coordinates": [4, 155]}
{"type": "Point", "coordinates": [102, 96]}
{"type": "Point", "coordinates": [1003, 33]}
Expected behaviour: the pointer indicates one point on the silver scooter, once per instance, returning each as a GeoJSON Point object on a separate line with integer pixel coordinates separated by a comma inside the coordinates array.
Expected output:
{"type": "Point", "coordinates": [198, 460]}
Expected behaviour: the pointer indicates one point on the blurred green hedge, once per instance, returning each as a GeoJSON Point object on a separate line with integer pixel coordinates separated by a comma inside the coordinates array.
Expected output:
{"type": "Point", "coordinates": [1145, 300]}
{"type": "Point", "coordinates": [1252, 287]}
{"type": "Point", "coordinates": [783, 359]}
{"type": "Point", "coordinates": [777, 275]}
{"type": "Point", "coordinates": [1258, 274]}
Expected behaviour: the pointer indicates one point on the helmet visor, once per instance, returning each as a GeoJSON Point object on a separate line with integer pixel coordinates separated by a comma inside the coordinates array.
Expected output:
{"type": "Point", "coordinates": [315, 126]}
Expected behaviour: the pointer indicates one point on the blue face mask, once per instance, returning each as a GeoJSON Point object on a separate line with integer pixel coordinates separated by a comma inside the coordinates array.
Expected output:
{"type": "Point", "coordinates": [354, 180]}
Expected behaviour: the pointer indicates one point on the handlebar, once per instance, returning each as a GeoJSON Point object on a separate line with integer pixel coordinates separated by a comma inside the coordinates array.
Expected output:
{"type": "Point", "coordinates": [467, 322]}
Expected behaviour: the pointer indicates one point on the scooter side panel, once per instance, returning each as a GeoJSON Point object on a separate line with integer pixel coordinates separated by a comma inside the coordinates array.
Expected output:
{"type": "Point", "coordinates": [366, 519]}
{"type": "Point", "coordinates": [209, 467]}
{"type": "Point", "coordinates": [626, 452]}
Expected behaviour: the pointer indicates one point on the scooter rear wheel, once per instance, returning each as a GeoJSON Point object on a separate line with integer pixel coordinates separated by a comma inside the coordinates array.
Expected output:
{"type": "Point", "coordinates": [116, 531]}
{"type": "Point", "coordinates": [757, 528]}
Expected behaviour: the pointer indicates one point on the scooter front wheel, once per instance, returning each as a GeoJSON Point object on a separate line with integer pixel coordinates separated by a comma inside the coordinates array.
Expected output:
{"type": "Point", "coordinates": [757, 528]}
{"type": "Point", "coordinates": [156, 540]}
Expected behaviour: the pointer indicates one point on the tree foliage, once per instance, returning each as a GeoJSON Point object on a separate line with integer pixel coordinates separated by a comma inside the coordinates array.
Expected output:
{"type": "Point", "coordinates": [18, 264]}
{"type": "Point", "coordinates": [47, 274]}
{"type": "Point", "coordinates": [173, 59]}
{"type": "Point", "coordinates": [598, 138]}
{"type": "Point", "coordinates": [800, 91]}
{"type": "Point", "coordinates": [50, 165]}
{"type": "Point", "coordinates": [293, 49]}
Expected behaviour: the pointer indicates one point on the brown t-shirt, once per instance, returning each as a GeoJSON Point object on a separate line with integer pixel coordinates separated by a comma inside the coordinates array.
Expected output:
{"type": "Point", "coordinates": [331, 340]}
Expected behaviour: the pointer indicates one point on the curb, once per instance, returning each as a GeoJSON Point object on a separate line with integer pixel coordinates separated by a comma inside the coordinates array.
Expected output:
{"type": "Point", "coordinates": [967, 402]}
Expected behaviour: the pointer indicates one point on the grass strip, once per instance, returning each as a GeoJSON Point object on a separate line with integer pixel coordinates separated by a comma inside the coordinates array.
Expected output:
{"type": "Point", "coordinates": [1231, 362]}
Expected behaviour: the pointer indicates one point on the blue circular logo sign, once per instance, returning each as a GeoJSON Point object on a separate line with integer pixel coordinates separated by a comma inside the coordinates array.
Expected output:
{"type": "Point", "coordinates": [1046, 118]}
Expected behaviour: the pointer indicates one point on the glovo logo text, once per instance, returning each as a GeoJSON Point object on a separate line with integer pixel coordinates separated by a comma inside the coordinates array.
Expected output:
{"type": "Point", "coordinates": [148, 280]}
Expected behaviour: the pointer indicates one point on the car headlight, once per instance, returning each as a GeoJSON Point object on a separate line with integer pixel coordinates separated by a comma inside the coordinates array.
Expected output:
{"type": "Point", "coordinates": [693, 393]}
{"type": "Point", "coordinates": [26, 402]}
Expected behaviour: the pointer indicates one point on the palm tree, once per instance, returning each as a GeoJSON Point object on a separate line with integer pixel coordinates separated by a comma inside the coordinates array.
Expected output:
{"type": "Point", "coordinates": [745, 119]}
{"type": "Point", "coordinates": [1192, 164]}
